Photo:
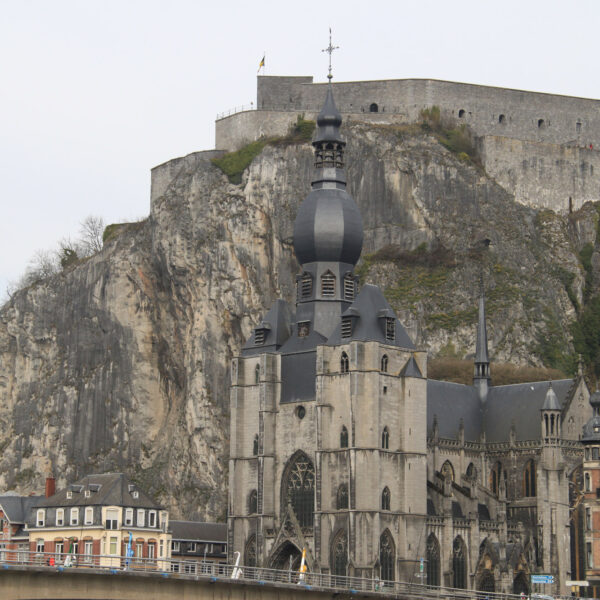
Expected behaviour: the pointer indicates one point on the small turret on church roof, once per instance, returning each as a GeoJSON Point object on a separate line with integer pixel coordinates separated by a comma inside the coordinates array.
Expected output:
{"type": "Point", "coordinates": [551, 401]}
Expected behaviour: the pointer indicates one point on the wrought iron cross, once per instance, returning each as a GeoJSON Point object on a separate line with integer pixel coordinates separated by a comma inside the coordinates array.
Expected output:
{"type": "Point", "coordinates": [329, 51]}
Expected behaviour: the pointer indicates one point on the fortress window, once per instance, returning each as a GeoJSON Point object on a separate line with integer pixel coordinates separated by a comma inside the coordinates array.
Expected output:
{"type": "Point", "coordinates": [390, 329]}
{"type": "Point", "coordinates": [502, 119]}
{"type": "Point", "coordinates": [259, 337]}
{"type": "Point", "coordinates": [346, 327]}
{"type": "Point", "coordinates": [344, 437]}
{"type": "Point", "coordinates": [328, 284]}
{"type": "Point", "coordinates": [578, 127]}
{"type": "Point", "coordinates": [349, 287]}
{"type": "Point", "coordinates": [384, 363]}
{"type": "Point", "coordinates": [344, 363]}
{"type": "Point", "coordinates": [342, 497]}
{"type": "Point", "coordinates": [253, 502]}
{"type": "Point", "coordinates": [529, 480]}
{"type": "Point", "coordinates": [385, 499]}
{"type": "Point", "coordinates": [306, 286]}
{"type": "Point", "coordinates": [461, 113]}
{"type": "Point", "coordinates": [255, 445]}
{"type": "Point", "coordinates": [373, 108]}
{"type": "Point", "coordinates": [385, 439]}
{"type": "Point", "coordinates": [303, 328]}
{"type": "Point", "coordinates": [541, 124]}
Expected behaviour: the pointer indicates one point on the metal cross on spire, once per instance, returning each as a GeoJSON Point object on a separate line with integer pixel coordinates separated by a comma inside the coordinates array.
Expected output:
{"type": "Point", "coordinates": [329, 51]}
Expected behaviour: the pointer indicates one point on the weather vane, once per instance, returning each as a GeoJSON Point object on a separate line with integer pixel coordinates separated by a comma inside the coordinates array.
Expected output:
{"type": "Point", "coordinates": [329, 51]}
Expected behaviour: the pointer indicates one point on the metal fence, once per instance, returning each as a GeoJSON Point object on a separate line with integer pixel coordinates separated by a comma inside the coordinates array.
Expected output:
{"type": "Point", "coordinates": [200, 569]}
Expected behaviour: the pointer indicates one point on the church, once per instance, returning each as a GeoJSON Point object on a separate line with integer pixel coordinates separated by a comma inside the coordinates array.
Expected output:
{"type": "Point", "coordinates": [342, 446]}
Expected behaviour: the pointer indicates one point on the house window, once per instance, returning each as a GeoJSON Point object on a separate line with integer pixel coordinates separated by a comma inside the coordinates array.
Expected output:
{"type": "Point", "coordinates": [39, 546]}
{"type": "Point", "coordinates": [151, 550]}
{"type": "Point", "coordinates": [129, 516]}
{"type": "Point", "coordinates": [385, 439]}
{"type": "Point", "coordinates": [590, 557]}
{"type": "Point", "coordinates": [69, 495]}
{"type": "Point", "coordinates": [384, 363]}
{"type": "Point", "coordinates": [349, 287]}
{"type": "Point", "coordinates": [135, 494]}
{"type": "Point", "coordinates": [344, 437]}
{"type": "Point", "coordinates": [587, 454]}
{"type": "Point", "coordinates": [342, 497]}
{"type": "Point", "coordinates": [328, 285]}
{"type": "Point", "coordinates": [390, 329]}
{"type": "Point", "coordinates": [139, 549]}
{"type": "Point", "coordinates": [175, 546]}
{"type": "Point", "coordinates": [88, 549]}
{"type": "Point", "coordinates": [161, 549]}
{"type": "Point", "coordinates": [59, 549]}
{"type": "Point", "coordinates": [60, 517]}
{"type": "Point", "coordinates": [152, 518]}
{"type": "Point", "coordinates": [74, 520]}
{"type": "Point", "coordinates": [89, 515]}
{"type": "Point", "coordinates": [141, 513]}
{"type": "Point", "coordinates": [41, 518]}
{"type": "Point", "coordinates": [529, 479]}
{"type": "Point", "coordinates": [189, 567]}
{"type": "Point", "coordinates": [344, 363]}
{"type": "Point", "coordinates": [588, 519]}
{"type": "Point", "coordinates": [595, 453]}
{"type": "Point", "coordinates": [588, 484]}
{"type": "Point", "coordinates": [253, 502]}
{"type": "Point", "coordinates": [385, 499]}
{"type": "Point", "coordinates": [346, 327]}
{"type": "Point", "coordinates": [192, 547]}
{"type": "Point", "coordinates": [113, 545]}
{"type": "Point", "coordinates": [112, 518]}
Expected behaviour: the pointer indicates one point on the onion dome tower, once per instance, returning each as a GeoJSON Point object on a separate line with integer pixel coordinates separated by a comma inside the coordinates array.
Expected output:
{"type": "Point", "coordinates": [328, 231]}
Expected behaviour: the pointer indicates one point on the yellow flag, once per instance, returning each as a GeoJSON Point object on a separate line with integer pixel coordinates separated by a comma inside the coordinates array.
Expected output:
{"type": "Point", "coordinates": [262, 63]}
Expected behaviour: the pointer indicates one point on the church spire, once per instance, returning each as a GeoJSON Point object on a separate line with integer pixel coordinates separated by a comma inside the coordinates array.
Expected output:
{"type": "Point", "coordinates": [481, 377]}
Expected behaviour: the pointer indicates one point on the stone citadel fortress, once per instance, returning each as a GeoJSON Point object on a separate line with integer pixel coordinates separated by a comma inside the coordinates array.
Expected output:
{"type": "Point", "coordinates": [540, 147]}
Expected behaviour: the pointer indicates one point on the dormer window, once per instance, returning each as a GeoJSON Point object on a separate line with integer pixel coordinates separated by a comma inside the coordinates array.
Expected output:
{"type": "Point", "coordinates": [390, 329]}
{"type": "Point", "coordinates": [346, 327]}
{"type": "Point", "coordinates": [60, 517]}
{"type": "Point", "coordinates": [303, 328]}
{"type": "Point", "coordinates": [41, 517]}
{"type": "Point", "coordinates": [305, 287]}
{"type": "Point", "coordinates": [328, 285]}
{"type": "Point", "coordinates": [349, 287]}
{"type": "Point", "coordinates": [69, 494]}
{"type": "Point", "coordinates": [135, 494]}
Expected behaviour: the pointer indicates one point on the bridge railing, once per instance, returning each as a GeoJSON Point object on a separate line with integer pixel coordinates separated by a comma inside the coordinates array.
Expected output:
{"type": "Point", "coordinates": [200, 569]}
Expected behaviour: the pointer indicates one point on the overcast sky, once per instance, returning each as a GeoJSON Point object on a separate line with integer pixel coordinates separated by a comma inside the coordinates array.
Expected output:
{"type": "Point", "coordinates": [93, 93]}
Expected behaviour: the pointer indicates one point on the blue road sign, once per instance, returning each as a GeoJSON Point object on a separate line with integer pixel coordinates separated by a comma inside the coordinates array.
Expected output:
{"type": "Point", "coordinates": [542, 579]}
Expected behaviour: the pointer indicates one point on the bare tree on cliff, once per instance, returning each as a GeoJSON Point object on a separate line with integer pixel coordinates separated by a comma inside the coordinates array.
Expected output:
{"type": "Point", "coordinates": [91, 232]}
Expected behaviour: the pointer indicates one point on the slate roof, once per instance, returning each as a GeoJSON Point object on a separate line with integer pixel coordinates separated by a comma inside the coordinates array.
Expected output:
{"type": "Point", "coordinates": [195, 531]}
{"type": "Point", "coordinates": [367, 309]}
{"type": "Point", "coordinates": [411, 369]}
{"type": "Point", "coordinates": [16, 508]}
{"type": "Point", "coordinates": [303, 344]}
{"type": "Point", "coordinates": [277, 325]}
{"type": "Point", "coordinates": [520, 404]}
{"type": "Point", "coordinates": [451, 402]}
{"type": "Point", "coordinates": [114, 489]}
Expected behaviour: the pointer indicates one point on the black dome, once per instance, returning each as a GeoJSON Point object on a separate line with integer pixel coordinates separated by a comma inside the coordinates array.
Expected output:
{"type": "Point", "coordinates": [328, 227]}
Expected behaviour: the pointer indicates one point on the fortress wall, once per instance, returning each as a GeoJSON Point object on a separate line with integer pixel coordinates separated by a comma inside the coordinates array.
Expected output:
{"type": "Point", "coordinates": [482, 106]}
{"type": "Point", "coordinates": [543, 175]}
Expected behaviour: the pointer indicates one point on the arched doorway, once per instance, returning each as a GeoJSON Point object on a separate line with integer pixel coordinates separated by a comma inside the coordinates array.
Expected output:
{"type": "Point", "coordinates": [387, 556]}
{"type": "Point", "coordinates": [287, 556]}
{"type": "Point", "coordinates": [520, 584]}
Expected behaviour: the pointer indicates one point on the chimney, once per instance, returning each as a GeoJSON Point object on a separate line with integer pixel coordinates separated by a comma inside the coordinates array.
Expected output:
{"type": "Point", "coordinates": [50, 486]}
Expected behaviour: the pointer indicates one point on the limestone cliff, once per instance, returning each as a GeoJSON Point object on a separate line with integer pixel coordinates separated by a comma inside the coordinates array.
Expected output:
{"type": "Point", "coordinates": [121, 363]}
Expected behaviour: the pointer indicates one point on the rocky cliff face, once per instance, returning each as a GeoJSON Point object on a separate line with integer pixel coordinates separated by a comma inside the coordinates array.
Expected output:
{"type": "Point", "coordinates": [121, 363]}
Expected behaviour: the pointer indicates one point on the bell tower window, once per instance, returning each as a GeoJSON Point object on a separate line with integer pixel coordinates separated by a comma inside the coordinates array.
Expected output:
{"type": "Point", "coordinates": [328, 285]}
{"type": "Point", "coordinates": [346, 327]}
{"type": "Point", "coordinates": [390, 329]}
{"type": "Point", "coordinates": [384, 363]}
{"type": "Point", "coordinates": [259, 337]}
{"type": "Point", "coordinates": [349, 287]}
{"type": "Point", "coordinates": [306, 286]}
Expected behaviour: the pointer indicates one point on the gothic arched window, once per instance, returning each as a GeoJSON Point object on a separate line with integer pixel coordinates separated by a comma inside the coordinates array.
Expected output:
{"type": "Point", "coordinates": [459, 564]}
{"type": "Point", "coordinates": [328, 284]}
{"type": "Point", "coordinates": [255, 445]}
{"type": "Point", "coordinates": [344, 437]}
{"type": "Point", "coordinates": [471, 471]}
{"type": "Point", "coordinates": [253, 502]}
{"type": "Point", "coordinates": [385, 499]}
{"type": "Point", "coordinates": [384, 363]}
{"type": "Point", "coordinates": [433, 561]}
{"type": "Point", "coordinates": [250, 552]}
{"type": "Point", "coordinates": [339, 554]}
{"type": "Point", "coordinates": [495, 475]}
{"type": "Point", "coordinates": [257, 374]}
{"type": "Point", "coordinates": [447, 470]}
{"type": "Point", "coordinates": [385, 439]}
{"type": "Point", "coordinates": [387, 556]}
{"type": "Point", "coordinates": [342, 497]}
{"type": "Point", "coordinates": [299, 488]}
{"type": "Point", "coordinates": [344, 363]}
{"type": "Point", "coordinates": [486, 582]}
{"type": "Point", "coordinates": [529, 479]}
